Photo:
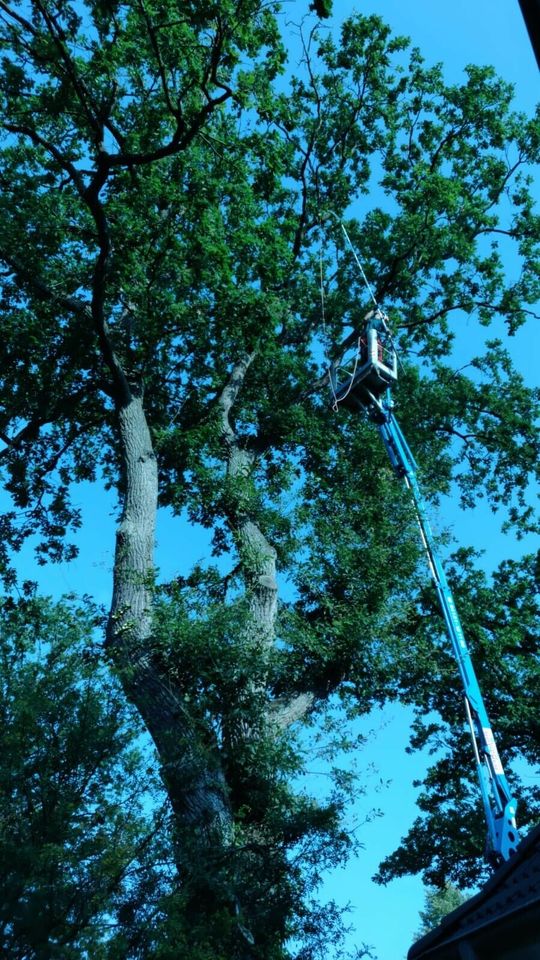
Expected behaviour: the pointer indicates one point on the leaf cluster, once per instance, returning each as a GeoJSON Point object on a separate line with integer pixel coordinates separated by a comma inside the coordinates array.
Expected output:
{"type": "Point", "coordinates": [83, 850]}
{"type": "Point", "coordinates": [500, 619]}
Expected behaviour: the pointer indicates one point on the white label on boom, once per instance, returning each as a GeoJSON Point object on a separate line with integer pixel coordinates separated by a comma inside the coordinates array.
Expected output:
{"type": "Point", "coordinates": [493, 752]}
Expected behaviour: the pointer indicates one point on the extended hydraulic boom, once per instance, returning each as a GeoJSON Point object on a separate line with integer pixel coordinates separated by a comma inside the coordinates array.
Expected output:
{"type": "Point", "coordinates": [367, 385]}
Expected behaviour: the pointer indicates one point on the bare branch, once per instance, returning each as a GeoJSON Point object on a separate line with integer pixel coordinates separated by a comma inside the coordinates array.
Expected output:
{"type": "Point", "coordinates": [18, 19]}
{"type": "Point", "coordinates": [486, 304]}
{"type": "Point", "coordinates": [446, 141]}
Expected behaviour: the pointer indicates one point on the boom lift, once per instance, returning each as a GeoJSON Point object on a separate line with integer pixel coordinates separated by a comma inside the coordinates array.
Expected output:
{"type": "Point", "coordinates": [366, 384]}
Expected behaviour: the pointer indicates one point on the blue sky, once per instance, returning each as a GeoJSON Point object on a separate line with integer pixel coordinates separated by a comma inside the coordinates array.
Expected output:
{"type": "Point", "coordinates": [457, 33]}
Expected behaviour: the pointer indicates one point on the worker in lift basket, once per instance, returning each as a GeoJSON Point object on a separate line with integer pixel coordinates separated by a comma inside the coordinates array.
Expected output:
{"type": "Point", "coordinates": [373, 321]}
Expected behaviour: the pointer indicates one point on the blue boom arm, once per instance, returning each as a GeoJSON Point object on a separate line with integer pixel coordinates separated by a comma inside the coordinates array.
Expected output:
{"type": "Point", "coordinates": [499, 804]}
{"type": "Point", "coordinates": [367, 386]}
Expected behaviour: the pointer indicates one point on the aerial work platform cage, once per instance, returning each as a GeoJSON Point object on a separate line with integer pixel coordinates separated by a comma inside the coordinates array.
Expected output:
{"type": "Point", "coordinates": [367, 366]}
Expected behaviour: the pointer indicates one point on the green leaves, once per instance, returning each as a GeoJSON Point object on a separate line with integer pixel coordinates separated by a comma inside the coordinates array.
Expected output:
{"type": "Point", "coordinates": [78, 839]}
{"type": "Point", "coordinates": [500, 620]}
{"type": "Point", "coordinates": [438, 904]}
{"type": "Point", "coordinates": [171, 199]}
{"type": "Point", "coordinates": [323, 8]}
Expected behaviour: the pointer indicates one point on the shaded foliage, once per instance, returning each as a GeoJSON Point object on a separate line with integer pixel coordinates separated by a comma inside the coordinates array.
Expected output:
{"type": "Point", "coordinates": [83, 847]}
{"type": "Point", "coordinates": [439, 903]}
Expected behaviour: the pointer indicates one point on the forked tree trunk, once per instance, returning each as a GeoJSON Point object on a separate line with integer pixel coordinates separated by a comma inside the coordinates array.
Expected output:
{"type": "Point", "coordinates": [191, 764]}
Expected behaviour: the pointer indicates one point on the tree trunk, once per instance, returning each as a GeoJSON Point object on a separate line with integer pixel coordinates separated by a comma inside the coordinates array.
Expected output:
{"type": "Point", "coordinates": [257, 556]}
{"type": "Point", "coordinates": [190, 768]}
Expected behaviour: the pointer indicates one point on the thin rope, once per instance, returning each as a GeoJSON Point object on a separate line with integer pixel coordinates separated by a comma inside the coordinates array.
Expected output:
{"type": "Point", "coordinates": [336, 402]}
{"type": "Point", "coordinates": [353, 374]}
{"type": "Point", "coordinates": [376, 305]}
{"type": "Point", "coordinates": [333, 214]}
{"type": "Point", "coordinates": [326, 357]}
{"type": "Point", "coordinates": [359, 265]}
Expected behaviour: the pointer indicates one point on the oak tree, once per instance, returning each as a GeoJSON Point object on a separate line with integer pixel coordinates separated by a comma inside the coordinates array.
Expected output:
{"type": "Point", "coordinates": [168, 185]}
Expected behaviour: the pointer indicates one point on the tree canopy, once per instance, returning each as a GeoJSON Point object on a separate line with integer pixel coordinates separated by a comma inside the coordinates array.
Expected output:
{"type": "Point", "coordinates": [439, 903]}
{"type": "Point", "coordinates": [171, 196]}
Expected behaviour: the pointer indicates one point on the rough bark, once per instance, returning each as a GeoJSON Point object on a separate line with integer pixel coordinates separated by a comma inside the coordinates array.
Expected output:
{"type": "Point", "coordinates": [286, 711]}
{"type": "Point", "coordinates": [257, 555]}
{"type": "Point", "coordinates": [248, 727]}
{"type": "Point", "coordinates": [191, 772]}
{"type": "Point", "coordinates": [257, 562]}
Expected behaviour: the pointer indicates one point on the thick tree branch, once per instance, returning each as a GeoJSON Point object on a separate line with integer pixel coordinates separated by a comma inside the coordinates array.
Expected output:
{"type": "Point", "coordinates": [283, 711]}
{"type": "Point", "coordinates": [99, 279]}
{"type": "Point", "coordinates": [229, 393]}
{"type": "Point", "coordinates": [59, 38]}
{"type": "Point", "coordinates": [257, 556]}
{"type": "Point", "coordinates": [62, 161]}
{"type": "Point", "coordinates": [90, 195]}
{"type": "Point", "coordinates": [180, 140]}
{"type": "Point", "coordinates": [32, 281]}
{"type": "Point", "coordinates": [175, 111]}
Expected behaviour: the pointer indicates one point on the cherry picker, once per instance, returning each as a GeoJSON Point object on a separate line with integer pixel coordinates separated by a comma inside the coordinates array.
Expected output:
{"type": "Point", "coordinates": [365, 384]}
